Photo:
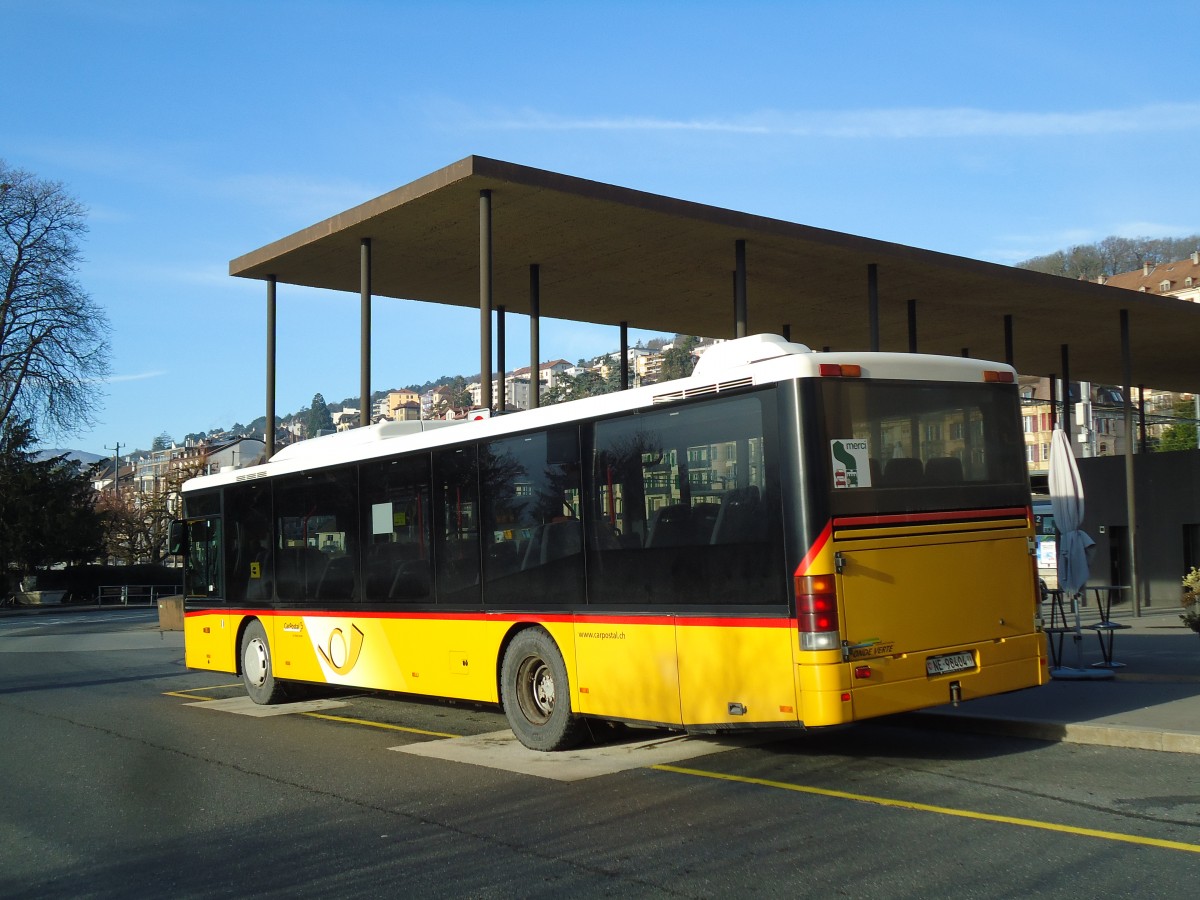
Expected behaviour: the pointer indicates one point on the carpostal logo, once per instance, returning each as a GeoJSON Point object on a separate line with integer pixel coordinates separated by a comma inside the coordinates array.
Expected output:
{"type": "Point", "coordinates": [342, 648]}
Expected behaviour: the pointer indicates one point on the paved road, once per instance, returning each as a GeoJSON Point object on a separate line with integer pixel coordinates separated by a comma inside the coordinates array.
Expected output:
{"type": "Point", "coordinates": [126, 775]}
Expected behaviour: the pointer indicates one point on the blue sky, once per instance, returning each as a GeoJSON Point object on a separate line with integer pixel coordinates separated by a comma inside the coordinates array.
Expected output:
{"type": "Point", "coordinates": [197, 131]}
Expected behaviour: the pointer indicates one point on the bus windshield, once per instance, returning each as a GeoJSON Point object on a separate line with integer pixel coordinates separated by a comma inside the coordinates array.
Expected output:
{"type": "Point", "coordinates": [902, 446]}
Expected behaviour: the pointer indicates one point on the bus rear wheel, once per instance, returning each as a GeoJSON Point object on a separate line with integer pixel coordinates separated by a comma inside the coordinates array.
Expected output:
{"type": "Point", "coordinates": [536, 693]}
{"type": "Point", "coordinates": [256, 666]}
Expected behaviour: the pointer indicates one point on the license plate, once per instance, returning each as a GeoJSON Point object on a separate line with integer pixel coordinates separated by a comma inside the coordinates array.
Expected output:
{"type": "Point", "coordinates": [951, 662]}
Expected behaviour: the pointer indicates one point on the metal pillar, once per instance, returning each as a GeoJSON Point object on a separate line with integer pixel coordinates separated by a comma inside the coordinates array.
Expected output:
{"type": "Point", "coordinates": [1053, 401]}
{"type": "Point", "coordinates": [535, 337]}
{"type": "Point", "coordinates": [739, 289]}
{"type": "Point", "coordinates": [1130, 505]}
{"type": "Point", "coordinates": [269, 427]}
{"type": "Point", "coordinates": [485, 298]}
{"type": "Point", "coordinates": [873, 304]}
{"type": "Point", "coordinates": [364, 331]}
{"type": "Point", "coordinates": [624, 356]}
{"type": "Point", "coordinates": [912, 326]}
{"type": "Point", "coordinates": [501, 399]}
{"type": "Point", "coordinates": [1067, 412]}
{"type": "Point", "coordinates": [1141, 418]}
{"type": "Point", "coordinates": [786, 331]}
{"type": "Point", "coordinates": [1008, 340]}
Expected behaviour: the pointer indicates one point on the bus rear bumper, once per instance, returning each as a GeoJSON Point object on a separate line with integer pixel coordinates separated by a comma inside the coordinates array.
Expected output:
{"type": "Point", "coordinates": [879, 687]}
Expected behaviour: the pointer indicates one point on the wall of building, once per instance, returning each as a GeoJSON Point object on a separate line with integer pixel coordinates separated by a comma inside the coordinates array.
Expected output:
{"type": "Point", "coordinates": [1167, 496]}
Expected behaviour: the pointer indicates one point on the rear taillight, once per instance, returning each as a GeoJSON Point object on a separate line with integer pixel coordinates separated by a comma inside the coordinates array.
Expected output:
{"type": "Point", "coordinates": [816, 612]}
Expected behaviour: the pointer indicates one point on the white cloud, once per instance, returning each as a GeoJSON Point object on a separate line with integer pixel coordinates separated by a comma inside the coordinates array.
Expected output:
{"type": "Point", "coordinates": [908, 123]}
{"type": "Point", "coordinates": [140, 376]}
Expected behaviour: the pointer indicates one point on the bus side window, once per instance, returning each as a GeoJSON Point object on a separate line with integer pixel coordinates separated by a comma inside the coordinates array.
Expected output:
{"type": "Point", "coordinates": [693, 514]}
{"type": "Point", "coordinates": [532, 530]}
{"type": "Point", "coordinates": [202, 567]}
{"type": "Point", "coordinates": [456, 526]}
{"type": "Point", "coordinates": [248, 558]}
{"type": "Point", "coordinates": [397, 564]}
{"type": "Point", "coordinates": [316, 536]}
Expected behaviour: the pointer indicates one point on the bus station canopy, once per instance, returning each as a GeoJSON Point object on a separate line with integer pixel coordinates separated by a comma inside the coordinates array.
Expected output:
{"type": "Point", "coordinates": [609, 254]}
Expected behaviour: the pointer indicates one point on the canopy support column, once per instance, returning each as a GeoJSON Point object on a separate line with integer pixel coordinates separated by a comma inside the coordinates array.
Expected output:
{"type": "Point", "coordinates": [364, 331]}
{"type": "Point", "coordinates": [1141, 418]}
{"type": "Point", "coordinates": [535, 336]}
{"type": "Point", "coordinates": [1053, 401]}
{"type": "Point", "coordinates": [1130, 505]}
{"type": "Point", "coordinates": [269, 427]}
{"type": "Point", "coordinates": [873, 305]}
{"type": "Point", "coordinates": [624, 356]}
{"type": "Point", "coordinates": [739, 289]}
{"type": "Point", "coordinates": [912, 326]}
{"type": "Point", "coordinates": [1067, 412]}
{"type": "Point", "coordinates": [485, 299]}
{"type": "Point", "coordinates": [786, 331]}
{"type": "Point", "coordinates": [1008, 339]}
{"type": "Point", "coordinates": [501, 392]}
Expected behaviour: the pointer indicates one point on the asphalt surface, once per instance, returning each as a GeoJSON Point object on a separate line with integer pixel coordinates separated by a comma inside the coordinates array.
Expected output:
{"type": "Point", "coordinates": [1151, 702]}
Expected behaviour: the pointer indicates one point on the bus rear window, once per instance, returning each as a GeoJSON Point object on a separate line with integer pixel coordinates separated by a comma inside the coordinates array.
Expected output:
{"type": "Point", "coordinates": [891, 446]}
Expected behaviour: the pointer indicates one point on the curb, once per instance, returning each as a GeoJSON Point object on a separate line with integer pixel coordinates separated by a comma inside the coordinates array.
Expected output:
{"type": "Point", "coordinates": [1105, 735]}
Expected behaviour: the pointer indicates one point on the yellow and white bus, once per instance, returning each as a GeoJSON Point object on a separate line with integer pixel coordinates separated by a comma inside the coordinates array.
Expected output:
{"type": "Point", "coordinates": [785, 538]}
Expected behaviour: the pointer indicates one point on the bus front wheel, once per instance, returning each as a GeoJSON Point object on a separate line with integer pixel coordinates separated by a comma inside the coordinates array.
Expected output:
{"type": "Point", "coordinates": [536, 694]}
{"type": "Point", "coordinates": [256, 666]}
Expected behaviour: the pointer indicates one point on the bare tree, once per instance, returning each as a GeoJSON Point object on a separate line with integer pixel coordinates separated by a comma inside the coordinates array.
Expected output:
{"type": "Point", "coordinates": [53, 338]}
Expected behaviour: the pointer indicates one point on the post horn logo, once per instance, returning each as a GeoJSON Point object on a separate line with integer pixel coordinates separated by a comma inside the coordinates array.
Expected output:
{"type": "Point", "coordinates": [337, 654]}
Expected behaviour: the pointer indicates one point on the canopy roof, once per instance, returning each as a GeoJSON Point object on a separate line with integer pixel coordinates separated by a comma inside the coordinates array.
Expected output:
{"type": "Point", "coordinates": [609, 254]}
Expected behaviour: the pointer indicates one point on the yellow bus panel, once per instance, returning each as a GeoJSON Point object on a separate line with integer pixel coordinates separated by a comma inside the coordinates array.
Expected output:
{"type": "Point", "coordinates": [627, 668]}
{"type": "Point", "coordinates": [733, 671]}
{"type": "Point", "coordinates": [210, 641]}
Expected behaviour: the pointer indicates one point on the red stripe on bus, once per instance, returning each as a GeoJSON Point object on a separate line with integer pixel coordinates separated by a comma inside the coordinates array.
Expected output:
{"type": "Point", "coordinates": [926, 517]}
{"type": "Point", "coordinates": [815, 550]}
{"type": "Point", "coordinates": [686, 620]}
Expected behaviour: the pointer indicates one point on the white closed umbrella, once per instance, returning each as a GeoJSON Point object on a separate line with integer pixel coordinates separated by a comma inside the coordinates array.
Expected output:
{"type": "Point", "coordinates": [1066, 498]}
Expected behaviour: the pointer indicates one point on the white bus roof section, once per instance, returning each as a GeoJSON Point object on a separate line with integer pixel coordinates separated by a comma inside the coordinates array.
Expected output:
{"type": "Point", "coordinates": [610, 254]}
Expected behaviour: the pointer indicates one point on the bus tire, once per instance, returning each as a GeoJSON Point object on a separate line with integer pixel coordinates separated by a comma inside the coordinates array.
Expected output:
{"type": "Point", "coordinates": [255, 657]}
{"type": "Point", "coordinates": [536, 693]}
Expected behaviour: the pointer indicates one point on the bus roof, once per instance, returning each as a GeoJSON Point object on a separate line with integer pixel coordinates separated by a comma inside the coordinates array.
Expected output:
{"type": "Point", "coordinates": [731, 365]}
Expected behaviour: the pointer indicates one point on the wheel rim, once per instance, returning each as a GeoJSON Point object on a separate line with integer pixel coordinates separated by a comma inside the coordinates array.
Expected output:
{"type": "Point", "coordinates": [255, 662]}
{"type": "Point", "coordinates": [535, 689]}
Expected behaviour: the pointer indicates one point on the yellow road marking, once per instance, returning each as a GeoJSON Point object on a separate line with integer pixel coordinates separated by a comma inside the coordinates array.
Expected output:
{"type": "Point", "coordinates": [370, 724]}
{"type": "Point", "coordinates": [188, 693]}
{"type": "Point", "coordinates": [943, 810]}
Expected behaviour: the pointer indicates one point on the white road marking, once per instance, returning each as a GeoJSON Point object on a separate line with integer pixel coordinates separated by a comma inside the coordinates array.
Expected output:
{"type": "Point", "coordinates": [501, 750]}
{"type": "Point", "coordinates": [244, 706]}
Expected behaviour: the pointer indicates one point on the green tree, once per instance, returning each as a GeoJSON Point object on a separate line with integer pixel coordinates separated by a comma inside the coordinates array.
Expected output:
{"type": "Point", "coordinates": [47, 507]}
{"type": "Point", "coordinates": [1181, 435]}
{"type": "Point", "coordinates": [53, 338]}
{"type": "Point", "coordinates": [162, 442]}
{"type": "Point", "coordinates": [460, 397]}
{"type": "Point", "coordinates": [678, 362]}
{"type": "Point", "coordinates": [319, 420]}
{"type": "Point", "coordinates": [576, 387]}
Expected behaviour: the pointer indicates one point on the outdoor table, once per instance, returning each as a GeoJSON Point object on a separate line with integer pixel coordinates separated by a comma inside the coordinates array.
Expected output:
{"type": "Point", "coordinates": [1106, 629]}
{"type": "Point", "coordinates": [1058, 627]}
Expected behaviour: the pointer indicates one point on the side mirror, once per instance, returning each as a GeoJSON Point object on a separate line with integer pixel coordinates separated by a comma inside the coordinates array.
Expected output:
{"type": "Point", "coordinates": [177, 538]}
